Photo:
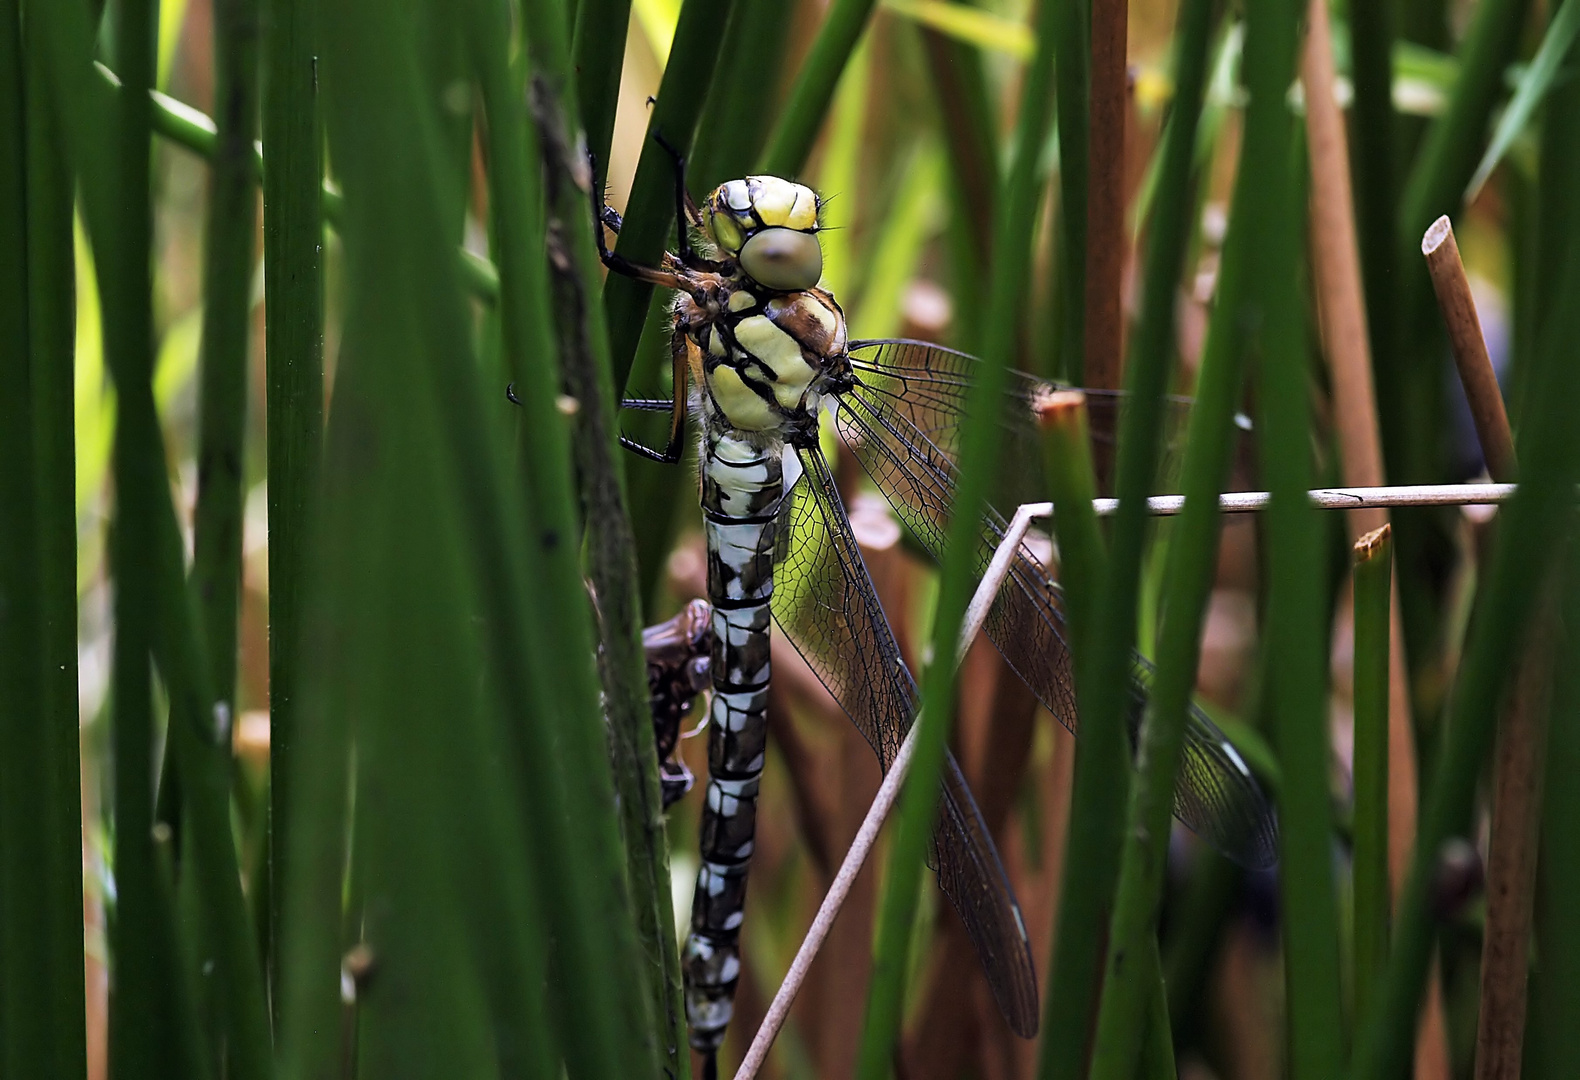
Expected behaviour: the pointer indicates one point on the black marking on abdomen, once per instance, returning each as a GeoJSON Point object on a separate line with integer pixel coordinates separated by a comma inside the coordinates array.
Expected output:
{"type": "Point", "coordinates": [741, 491]}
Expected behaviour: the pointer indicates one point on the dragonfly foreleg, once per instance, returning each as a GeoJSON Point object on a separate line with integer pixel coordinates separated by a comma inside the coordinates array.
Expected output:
{"type": "Point", "coordinates": [616, 262]}
{"type": "Point", "coordinates": [686, 213]}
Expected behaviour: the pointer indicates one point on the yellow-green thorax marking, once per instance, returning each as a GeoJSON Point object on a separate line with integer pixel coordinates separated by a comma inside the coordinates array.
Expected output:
{"type": "Point", "coordinates": [765, 337]}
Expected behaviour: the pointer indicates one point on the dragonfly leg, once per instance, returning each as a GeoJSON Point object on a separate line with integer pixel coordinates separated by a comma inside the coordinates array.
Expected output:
{"type": "Point", "coordinates": [616, 262]}
{"type": "Point", "coordinates": [676, 405]}
{"type": "Point", "coordinates": [687, 216]}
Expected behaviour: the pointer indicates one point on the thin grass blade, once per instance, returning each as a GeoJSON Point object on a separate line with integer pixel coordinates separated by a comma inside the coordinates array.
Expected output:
{"type": "Point", "coordinates": [1533, 86]}
{"type": "Point", "coordinates": [809, 98]}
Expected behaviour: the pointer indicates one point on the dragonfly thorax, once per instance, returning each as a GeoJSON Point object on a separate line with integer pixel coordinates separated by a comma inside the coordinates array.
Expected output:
{"type": "Point", "coordinates": [763, 359]}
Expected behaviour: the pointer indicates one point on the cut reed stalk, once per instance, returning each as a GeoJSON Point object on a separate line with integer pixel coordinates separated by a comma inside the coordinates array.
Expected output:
{"type": "Point", "coordinates": [1373, 588]}
{"type": "Point", "coordinates": [1102, 767]}
{"type": "Point", "coordinates": [1522, 734]}
{"type": "Point", "coordinates": [1347, 339]}
{"type": "Point", "coordinates": [1469, 348]}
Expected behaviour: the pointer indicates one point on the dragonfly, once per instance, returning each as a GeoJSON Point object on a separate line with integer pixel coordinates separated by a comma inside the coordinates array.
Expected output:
{"type": "Point", "coordinates": [765, 352]}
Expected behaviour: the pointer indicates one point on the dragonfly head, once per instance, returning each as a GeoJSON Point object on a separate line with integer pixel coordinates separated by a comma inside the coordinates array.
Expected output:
{"type": "Point", "coordinates": [769, 226]}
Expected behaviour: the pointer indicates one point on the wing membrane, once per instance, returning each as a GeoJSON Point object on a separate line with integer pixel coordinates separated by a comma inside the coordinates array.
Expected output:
{"type": "Point", "coordinates": [824, 602]}
{"type": "Point", "coordinates": [928, 384]}
{"type": "Point", "coordinates": [901, 422]}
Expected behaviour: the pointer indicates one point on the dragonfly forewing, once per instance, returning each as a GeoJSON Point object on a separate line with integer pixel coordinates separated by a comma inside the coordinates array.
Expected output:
{"type": "Point", "coordinates": [901, 421]}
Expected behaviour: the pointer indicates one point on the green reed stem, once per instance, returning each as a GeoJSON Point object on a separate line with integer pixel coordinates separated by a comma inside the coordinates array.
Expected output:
{"type": "Point", "coordinates": [1374, 165]}
{"type": "Point", "coordinates": [650, 212]}
{"type": "Point", "coordinates": [529, 341]}
{"type": "Point", "coordinates": [293, 235]}
{"type": "Point", "coordinates": [598, 51]}
{"type": "Point", "coordinates": [1297, 628]}
{"type": "Point", "coordinates": [980, 439]}
{"type": "Point", "coordinates": [1128, 985]}
{"type": "Point", "coordinates": [1530, 531]}
{"type": "Point", "coordinates": [796, 131]}
{"type": "Point", "coordinates": [1157, 1055]}
{"type": "Point", "coordinates": [186, 1053]}
{"type": "Point", "coordinates": [733, 128]}
{"type": "Point", "coordinates": [190, 128]}
{"type": "Point", "coordinates": [123, 236]}
{"type": "Point", "coordinates": [970, 133]}
{"type": "Point", "coordinates": [1101, 764]}
{"type": "Point", "coordinates": [51, 333]}
{"type": "Point", "coordinates": [200, 729]}
{"type": "Point", "coordinates": [36, 1037]}
{"type": "Point", "coordinates": [1550, 1046]}
{"type": "Point", "coordinates": [1448, 157]}
{"type": "Point", "coordinates": [152, 605]}
{"type": "Point", "coordinates": [227, 304]}
{"type": "Point", "coordinates": [1373, 589]}
{"type": "Point", "coordinates": [1083, 553]}
{"type": "Point", "coordinates": [607, 943]}
{"type": "Point", "coordinates": [422, 603]}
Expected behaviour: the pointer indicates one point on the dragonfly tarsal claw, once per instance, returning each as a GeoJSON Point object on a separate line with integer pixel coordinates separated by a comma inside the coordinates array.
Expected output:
{"type": "Point", "coordinates": [663, 457]}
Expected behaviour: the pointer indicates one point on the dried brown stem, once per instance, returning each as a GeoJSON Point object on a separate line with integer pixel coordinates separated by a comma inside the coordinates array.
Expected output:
{"type": "Point", "coordinates": [1105, 200]}
{"type": "Point", "coordinates": [1522, 736]}
{"type": "Point", "coordinates": [1511, 861]}
{"type": "Point", "coordinates": [1470, 348]}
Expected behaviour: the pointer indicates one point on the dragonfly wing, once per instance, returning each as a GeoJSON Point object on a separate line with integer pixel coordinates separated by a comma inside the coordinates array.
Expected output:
{"type": "Point", "coordinates": [824, 602]}
{"type": "Point", "coordinates": [1217, 796]}
{"type": "Point", "coordinates": [928, 384]}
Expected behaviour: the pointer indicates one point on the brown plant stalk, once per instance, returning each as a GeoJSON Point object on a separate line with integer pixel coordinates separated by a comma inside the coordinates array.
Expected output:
{"type": "Point", "coordinates": [1522, 735]}
{"type": "Point", "coordinates": [1105, 199]}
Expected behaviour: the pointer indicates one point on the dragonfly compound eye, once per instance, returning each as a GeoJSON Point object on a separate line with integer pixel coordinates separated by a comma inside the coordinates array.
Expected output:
{"type": "Point", "coordinates": [783, 259]}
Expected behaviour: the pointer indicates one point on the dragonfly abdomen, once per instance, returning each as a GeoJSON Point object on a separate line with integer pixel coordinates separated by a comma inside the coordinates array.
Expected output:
{"type": "Point", "coordinates": [742, 485]}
